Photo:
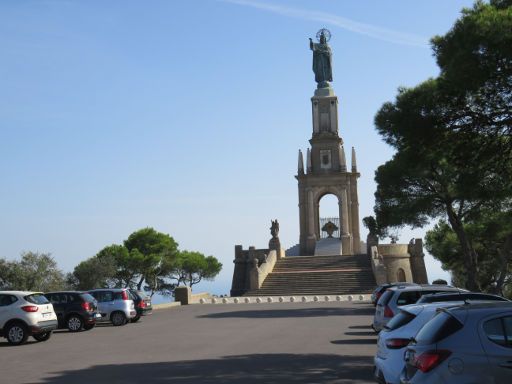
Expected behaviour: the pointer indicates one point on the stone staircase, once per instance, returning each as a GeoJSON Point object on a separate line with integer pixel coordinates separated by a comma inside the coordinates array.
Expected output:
{"type": "Point", "coordinates": [318, 275]}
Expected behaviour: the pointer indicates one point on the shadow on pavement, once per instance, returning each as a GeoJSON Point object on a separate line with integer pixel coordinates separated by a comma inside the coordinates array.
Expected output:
{"type": "Point", "coordinates": [360, 327]}
{"type": "Point", "coordinates": [355, 341]}
{"type": "Point", "coordinates": [246, 369]}
{"type": "Point", "coordinates": [299, 312]}
{"type": "Point", "coordinates": [360, 333]}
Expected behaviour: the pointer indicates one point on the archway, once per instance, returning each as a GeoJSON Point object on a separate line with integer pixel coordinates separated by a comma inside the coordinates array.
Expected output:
{"type": "Point", "coordinates": [328, 212]}
{"type": "Point", "coordinates": [400, 275]}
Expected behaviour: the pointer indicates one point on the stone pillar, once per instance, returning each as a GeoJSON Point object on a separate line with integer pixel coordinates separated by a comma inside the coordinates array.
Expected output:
{"type": "Point", "coordinates": [311, 240]}
{"type": "Point", "coordinates": [183, 294]}
{"type": "Point", "coordinates": [418, 269]}
{"type": "Point", "coordinates": [239, 283]}
{"type": "Point", "coordinates": [346, 240]}
{"type": "Point", "coordinates": [354, 210]}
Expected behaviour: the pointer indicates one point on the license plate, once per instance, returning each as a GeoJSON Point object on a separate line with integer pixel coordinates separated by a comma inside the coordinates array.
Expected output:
{"type": "Point", "coordinates": [97, 315]}
{"type": "Point", "coordinates": [47, 315]}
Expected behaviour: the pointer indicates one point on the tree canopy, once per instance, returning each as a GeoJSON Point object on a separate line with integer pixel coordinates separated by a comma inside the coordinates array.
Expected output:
{"type": "Point", "coordinates": [34, 272]}
{"type": "Point", "coordinates": [148, 260]}
{"type": "Point", "coordinates": [452, 133]}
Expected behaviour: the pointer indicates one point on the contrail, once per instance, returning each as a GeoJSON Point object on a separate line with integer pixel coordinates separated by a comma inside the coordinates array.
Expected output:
{"type": "Point", "coordinates": [338, 21]}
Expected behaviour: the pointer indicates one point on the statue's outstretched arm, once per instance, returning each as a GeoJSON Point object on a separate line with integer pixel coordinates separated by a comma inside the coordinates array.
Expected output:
{"type": "Point", "coordinates": [310, 43]}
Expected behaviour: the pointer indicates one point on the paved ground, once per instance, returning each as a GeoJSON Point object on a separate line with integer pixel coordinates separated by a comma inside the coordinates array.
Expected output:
{"type": "Point", "coordinates": [245, 343]}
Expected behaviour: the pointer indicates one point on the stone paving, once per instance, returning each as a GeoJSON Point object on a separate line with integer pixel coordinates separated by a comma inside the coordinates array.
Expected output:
{"type": "Point", "coordinates": [313, 342]}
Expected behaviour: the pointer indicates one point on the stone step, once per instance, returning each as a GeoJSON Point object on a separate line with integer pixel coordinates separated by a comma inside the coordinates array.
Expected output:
{"type": "Point", "coordinates": [318, 275]}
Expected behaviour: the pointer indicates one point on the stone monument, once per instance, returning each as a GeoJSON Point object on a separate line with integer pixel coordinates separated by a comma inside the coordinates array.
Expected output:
{"type": "Point", "coordinates": [326, 169]}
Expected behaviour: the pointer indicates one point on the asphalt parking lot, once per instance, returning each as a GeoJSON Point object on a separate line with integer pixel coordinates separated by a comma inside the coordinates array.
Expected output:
{"type": "Point", "coordinates": [243, 343]}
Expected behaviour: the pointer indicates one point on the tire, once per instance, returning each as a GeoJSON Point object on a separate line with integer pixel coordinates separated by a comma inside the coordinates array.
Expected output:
{"type": "Point", "coordinates": [75, 323]}
{"type": "Point", "coordinates": [118, 319]}
{"type": "Point", "coordinates": [89, 326]}
{"type": "Point", "coordinates": [16, 333]}
{"type": "Point", "coordinates": [135, 319]}
{"type": "Point", "coordinates": [42, 336]}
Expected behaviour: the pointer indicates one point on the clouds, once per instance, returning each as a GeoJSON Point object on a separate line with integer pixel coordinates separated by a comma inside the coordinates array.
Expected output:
{"type": "Point", "coordinates": [372, 31]}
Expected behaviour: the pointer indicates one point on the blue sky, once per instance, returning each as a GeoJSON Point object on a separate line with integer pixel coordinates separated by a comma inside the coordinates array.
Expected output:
{"type": "Point", "coordinates": [187, 116]}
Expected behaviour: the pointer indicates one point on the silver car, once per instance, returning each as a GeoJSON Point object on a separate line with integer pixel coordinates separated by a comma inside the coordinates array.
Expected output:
{"type": "Point", "coordinates": [115, 305]}
{"type": "Point", "coordinates": [389, 303]}
{"type": "Point", "coordinates": [469, 344]}
{"type": "Point", "coordinates": [396, 335]}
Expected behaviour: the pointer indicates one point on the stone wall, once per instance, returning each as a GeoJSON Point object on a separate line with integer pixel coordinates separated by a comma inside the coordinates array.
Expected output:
{"type": "Point", "coordinates": [392, 263]}
{"type": "Point", "coordinates": [252, 266]}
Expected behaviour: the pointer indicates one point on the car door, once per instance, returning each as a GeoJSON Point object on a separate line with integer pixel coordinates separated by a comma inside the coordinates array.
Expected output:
{"type": "Point", "coordinates": [54, 298]}
{"type": "Point", "coordinates": [497, 342]}
{"type": "Point", "coordinates": [5, 308]}
{"type": "Point", "coordinates": [105, 303]}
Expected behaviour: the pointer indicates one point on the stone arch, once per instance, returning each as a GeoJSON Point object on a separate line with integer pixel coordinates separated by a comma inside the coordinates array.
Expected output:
{"type": "Point", "coordinates": [320, 193]}
{"type": "Point", "coordinates": [400, 275]}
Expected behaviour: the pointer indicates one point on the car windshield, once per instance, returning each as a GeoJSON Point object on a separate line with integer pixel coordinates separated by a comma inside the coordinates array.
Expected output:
{"type": "Point", "coordinates": [37, 298]}
{"type": "Point", "coordinates": [384, 299]}
{"type": "Point", "coordinates": [439, 327]}
{"type": "Point", "coordinates": [399, 320]}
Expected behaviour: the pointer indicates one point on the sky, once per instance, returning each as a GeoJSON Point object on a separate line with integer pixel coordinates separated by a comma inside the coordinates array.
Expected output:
{"type": "Point", "coordinates": [187, 116]}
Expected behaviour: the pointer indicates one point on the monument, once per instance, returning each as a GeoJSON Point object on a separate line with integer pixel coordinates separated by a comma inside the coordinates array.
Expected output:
{"type": "Point", "coordinates": [326, 170]}
{"type": "Point", "coordinates": [330, 257]}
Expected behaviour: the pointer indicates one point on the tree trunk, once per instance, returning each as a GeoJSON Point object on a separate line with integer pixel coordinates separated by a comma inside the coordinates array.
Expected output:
{"type": "Point", "coordinates": [468, 252]}
{"type": "Point", "coordinates": [139, 284]}
{"type": "Point", "coordinates": [505, 255]}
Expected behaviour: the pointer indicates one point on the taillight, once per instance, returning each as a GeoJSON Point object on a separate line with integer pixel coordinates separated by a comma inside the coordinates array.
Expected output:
{"type": "Point", "coordinates": [141, 304]}
{"type": "Point", "coordinates": [124, 295]}
{"type": "Point", "coordinates": [30, 308]}
{"type": "Point", "coordinates": [430, 359]}
{"type": "Point", "coordinates": [86, 306]}
{"type": "Point", "coordinates": [396, 343]}
{"type": "Point", "coordinates": [388, 312]}
{"type": "Point", "coordinates": [377, 296]}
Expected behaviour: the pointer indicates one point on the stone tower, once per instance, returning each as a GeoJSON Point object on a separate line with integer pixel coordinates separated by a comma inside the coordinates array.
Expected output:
{"type": "Point", "coordinates": [326, 170]}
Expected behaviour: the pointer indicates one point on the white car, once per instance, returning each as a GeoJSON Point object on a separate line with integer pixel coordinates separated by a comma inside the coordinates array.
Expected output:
{"type": "Point", "coordinates": [24, 314]}
{"type": "Point", "coordinates": [395, 297]}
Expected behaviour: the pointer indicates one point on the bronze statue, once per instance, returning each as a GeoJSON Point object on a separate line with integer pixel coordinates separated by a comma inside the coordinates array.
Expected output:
{"type": "Point", "coordinates": [322, 58]}
{"type": "Point", "coordinates": [274, 229]}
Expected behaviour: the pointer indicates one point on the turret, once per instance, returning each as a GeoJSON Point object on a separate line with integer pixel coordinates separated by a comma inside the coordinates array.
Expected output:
{"type": "Point", "coordinates": [300, 166]}
{"type": "Point", "coordinates": [354, 162]}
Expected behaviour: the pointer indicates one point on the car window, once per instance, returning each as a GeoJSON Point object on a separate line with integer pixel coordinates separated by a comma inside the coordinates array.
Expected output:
{"type": "Point", "coordinates": [407, 297]}
{"type": "Point", "coordinates": [6, 300]}
{"type": "Point", "coordinates": [104, 296]}
{"type": "Point", "coordinates": [507, 324]}
{"type": "Point", "coordinates": [399, 320]}
{"type": "Point", "coordinates": [71, 297]}
{"type": "Point", "coordinates": [87, 297]}
{"type": "Point", "coordinates": [54, 299]}
{"type": "Point", "coordinates": [118, 296]}
{"type": "Point", "coordinates": [384, 299]}
{"type": "Point", "coordinates": [63, 298]}
{"type": "Point", "coordinates": [439, 327]}
{"type": "Point", "coordinates": [495, 332]}
{"type": "Point", "coordinates": [37, 298]}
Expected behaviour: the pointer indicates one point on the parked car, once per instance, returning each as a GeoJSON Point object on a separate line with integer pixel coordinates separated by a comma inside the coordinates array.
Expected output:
{"type": "Point", "coordinates": [142, 304]}
{"type": "Point", "coordinates": [24, 314]}
{"type": "Point", "coordinates": [115, 305]}
{"type": "Point", "coordinates": [394, 297]}
{"type": "Point", "coordinates": [471, 343]}
{"type": "Point", "coordinates": [397, 334]}
{"type": "Point", "coordinates": [471, 296]}
{"type": "Point", "coordinates": [75, 310]}
{"type": "Point", "coordinates": [379, 291]}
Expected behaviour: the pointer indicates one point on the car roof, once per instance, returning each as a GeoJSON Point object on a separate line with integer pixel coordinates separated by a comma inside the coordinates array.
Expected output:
{"type": "Point", "coordinates": [20, 293]}
{"type": "Point", "coordinates": [421, 287]}
{"type": "Point", "coordinates": [417, 308]}
{"type": "Point", "coordinates": [79, 292]}
{"type": "Point", "coordinates": [463, 293]}
{"type": "Point", "coordinates": [485, 308]}
{"type": "Point", "coordinates": [106, 289]}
